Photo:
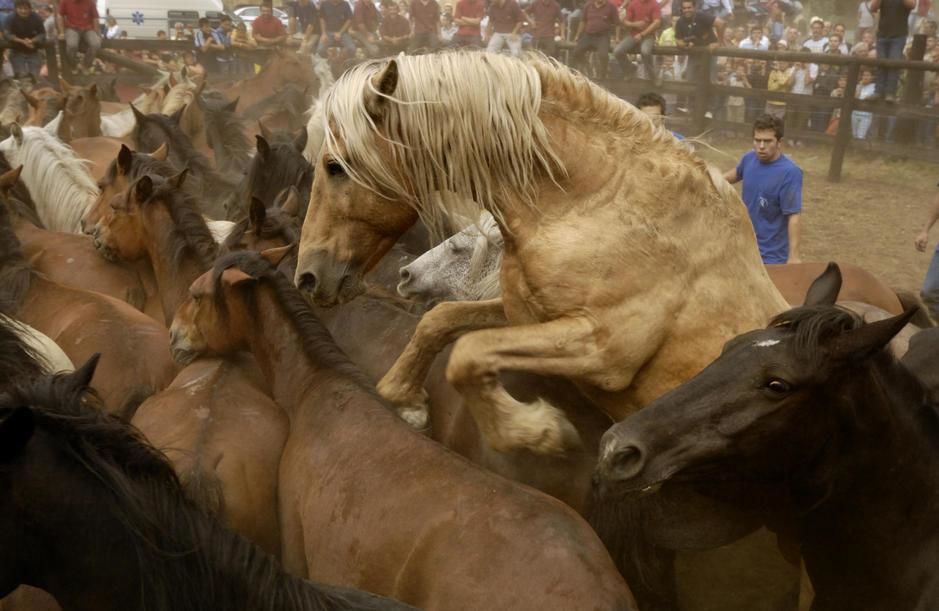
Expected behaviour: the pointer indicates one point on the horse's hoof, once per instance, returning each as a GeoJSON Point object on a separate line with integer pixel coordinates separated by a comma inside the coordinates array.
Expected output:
{"type": "Point", "coordinates": [417, 418]}
{"type": "Point", "coordinates": [538, 427]}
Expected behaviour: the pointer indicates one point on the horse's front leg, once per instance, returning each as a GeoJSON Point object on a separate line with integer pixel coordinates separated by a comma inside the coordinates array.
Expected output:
{"type": "Point", "coordinates": [402, 386]}
{"type": "Point", "coordinates": [566, 347]}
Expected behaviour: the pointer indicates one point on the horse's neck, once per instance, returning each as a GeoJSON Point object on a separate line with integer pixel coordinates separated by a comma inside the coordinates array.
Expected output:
{"type": "Point", "coordinates": [172, 280]}
{"type": "Point", "coordinates": [288, 368]}
{"type": "Point", "coordinates": [882, 509]}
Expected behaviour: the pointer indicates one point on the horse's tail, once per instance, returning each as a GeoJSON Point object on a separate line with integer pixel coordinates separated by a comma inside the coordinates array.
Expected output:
{"type": "Point", "coordinates": [648, 570]}
{"type": "Point", "coordinates": [911, 299]}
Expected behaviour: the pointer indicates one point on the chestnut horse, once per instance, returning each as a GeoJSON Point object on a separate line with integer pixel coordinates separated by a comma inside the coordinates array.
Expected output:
{"type": "Point", "coordinates": [136, 361]}
{"type": "Point", "coordinates": [335, 500]}
{"type": "Point", "coordinates": [81, 112]}
{"type": "Point", "coordinates": [282, 68]}
{"type": "Point", "coordinates": [524, 139]}
{"type": "Point", "coordinates": [821, 435]}
{"type": "Point", "coordinates": [96, 516]}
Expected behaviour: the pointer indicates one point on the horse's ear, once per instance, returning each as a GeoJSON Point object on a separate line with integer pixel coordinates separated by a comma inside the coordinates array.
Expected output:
{"type": "Point", "coordinates": [234, 276]}
{"type": "Point", "coordinates": [139, 117]}
{"type": "Point", "coordinates": [865, 341]}
{"type": "Point", "coordinates": [264, 149]}
{"type": "Point", "coordinates": [299, 141]}
{"type": "Point", "coordinates": [17, 132]}
{"type": "Point", "coordinates": [166, 88]}
{"type": "Point", "coordinates": [383, 86]}
{"type": "Point", "coordinates": [125, 160]}
{"type": "Point", "coordinates": [80, 379]}
{"type": "Point", "coordinates": [143, 188]}
{"type": "Point", "coordinates": [266, 133]}
{"type": "Point", "coordinates": [825, 288]}
{"type": "Point", "coordinates": [178, 115]}
{"type": "Point", "coordinates": [33, 102]}
{"type": "Point", "coordinates": [16, 429]}
{"type": "Point", "coordinates": [257, 213]}
{"type": "Point", "coordinates": [275, 255]}
{"type": "Point", "coordinates": [291, 202]}
{"type": "Point", "coordinates": [93, 90]}
{"type": "Point", "coordinates": [9, 178]}
{"type": "Point", "coordinates": [63, 85]}
{"type": "Point", "coordinates": [180, 179]}
{"type": "Point", "coordinates": [232, 106]}
{"type": "Point", "coordinates": [161, 153]}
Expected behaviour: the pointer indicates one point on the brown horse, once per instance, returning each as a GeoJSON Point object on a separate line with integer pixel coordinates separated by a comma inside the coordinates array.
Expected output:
{"type": "Point", "coordinates": [81, 112]}
{"type": "Point", "coordinates": [136, 361]}
{"type": "Point", "coordinates": [224, 437]}
{"type": "Point", "coordinates": [282, 69]}
{"type": "Point", "coordinates": [96, 516]}
{"type": "Point", "coordinates": [336, 500]}
{"type": "Point", "coordinates": [44, 104]}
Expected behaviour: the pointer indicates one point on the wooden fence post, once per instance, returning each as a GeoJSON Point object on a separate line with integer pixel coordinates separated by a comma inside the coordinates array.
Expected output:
{"type": "Point", "coordinates": [843, 137]}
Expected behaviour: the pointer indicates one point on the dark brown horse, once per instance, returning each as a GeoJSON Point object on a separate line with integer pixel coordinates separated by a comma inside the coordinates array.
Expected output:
{"type": "Point", "coordinates": [136, 361]}
{"type": "Point", "coordinates": [96, 516]}
{"type": "Point", "coordinates": [451, 519]}
{"type": "Point", "coordinates": [813, 428]}
{"type": "Point", "coordinates": [278, 164]}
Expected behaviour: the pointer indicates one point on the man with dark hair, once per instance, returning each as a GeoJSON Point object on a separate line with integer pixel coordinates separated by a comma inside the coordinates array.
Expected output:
{"type": "Point", "coordinates": [207, 45]}
{"type": "Point", "coordinates": [772, 191]}
{"type": "Point", "coordinates": [425, 22]}
{"type": "Point", "coordinates": [694, 29]}
{"type": "Point", "coordinates": [78, 19]}
{"type": "Point", "coordinates": [653, 105]}
{"type": "Point", "coordinates": [335, 22]}
{"type": "Point", "coordinates": [267, 29]}
{"type": "Point", "coordinates": [642, 21]}
{"type": "Point", "coordinates": [467, 15]}
{"type": "Point", "coordinates": [365, 22]}
{"type": "Point", "coordinates": [26, 34]}
{"type": "Point", "coordinates": [546, 16]}
{"type": "Point", "coordinates": [395, 31]}
{"type": "Point", "coordinates": [598, 22]}
{"type": "Point", "coordinates": [892, 30]}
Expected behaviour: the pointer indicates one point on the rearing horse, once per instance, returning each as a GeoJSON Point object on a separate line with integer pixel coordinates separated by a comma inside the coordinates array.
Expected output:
{"type": "Point", "coordinates": [627, 263]}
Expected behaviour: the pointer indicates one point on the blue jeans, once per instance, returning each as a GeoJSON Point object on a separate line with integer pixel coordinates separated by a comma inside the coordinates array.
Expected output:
{"type": "Point", "coordinates": [628, 45]}
{"type": "Point", "coordinates": [328, 40]}
{"type": "Point", "coordinates": [889, 47]}
{"type": "Point", "coordinates": [25, 63]}
{"type": "Point", "coordinates": [930, 292]}
{"type": "Point", "coordinates": [598, 43]}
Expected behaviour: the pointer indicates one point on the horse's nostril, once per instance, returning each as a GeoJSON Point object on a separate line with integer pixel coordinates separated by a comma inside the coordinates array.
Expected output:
{"type": "Point", "coordinates": [627, 462]}
{"type": "Point", "coordinates": [405, 275]}
{"type": "Point", "coordinates": [307, 282]}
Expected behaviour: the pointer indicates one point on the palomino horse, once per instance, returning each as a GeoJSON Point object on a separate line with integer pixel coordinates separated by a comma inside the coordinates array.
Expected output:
{"type": "Point", "coordinates": [524, 138]}
{"type": "Point", "coordinates": [136, 362]}
{"type": "Point", "coordinates": [824, 436]}
{"type": "Point", "coordinates": [335, 500]}
{"type": "Point", "coordinates": [59, 182]}
{"type": "Point", "coordinates": [96, 516]}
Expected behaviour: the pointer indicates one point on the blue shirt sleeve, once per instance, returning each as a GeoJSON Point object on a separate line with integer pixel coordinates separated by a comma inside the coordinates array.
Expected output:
{"type": "Point", "coordinates": [790, 196]}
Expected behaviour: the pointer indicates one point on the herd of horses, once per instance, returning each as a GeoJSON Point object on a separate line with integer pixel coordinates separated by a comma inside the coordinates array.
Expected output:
{"type": "Point", "coordinates": [226, 378]}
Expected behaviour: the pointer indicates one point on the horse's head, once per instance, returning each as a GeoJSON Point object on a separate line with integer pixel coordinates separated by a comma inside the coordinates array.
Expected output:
{"type": "Point", "coordinates": [455, 269]}
{"type": "Point", "coordinates": [44, 104]}
{"type": "Point", "coordinates": [153, 130]}
{"type": "Point", "coordinates": [82, 111]}
{"type": "Point", "coordinates": [349, 227]}
{"type": "Point", "coordinates": [771, 407]}
{"type": "Point", "coordinates": [215, 319]}
{"type": "Point", "coordinates": [115, 181]}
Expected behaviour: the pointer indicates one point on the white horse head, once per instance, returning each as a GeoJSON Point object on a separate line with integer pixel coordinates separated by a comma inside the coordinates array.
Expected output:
{"type": "Point", "coordinates": [465, 267]}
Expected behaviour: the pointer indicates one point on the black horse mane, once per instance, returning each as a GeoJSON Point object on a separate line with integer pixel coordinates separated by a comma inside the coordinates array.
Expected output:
{"type": "Point", "coordinates": [180, 145]}
{"type": "Point", "coordinates": [15, 272]}
{"type": "Point", "coordinates": [226, 131]}
{"type": "Point", "coordinates": [318, 343]}
{"type": "Point", "coordinates": [813, 326]}
{"type": "Point", "coordinates": [283, 167]}
{"type": "Point", "coordinates": [186, 561]}
{"type": "Point", "coordinates": [190, 231]}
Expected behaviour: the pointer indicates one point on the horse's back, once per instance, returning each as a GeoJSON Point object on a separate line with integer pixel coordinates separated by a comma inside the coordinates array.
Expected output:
{"type": "Point", "coordinates": [858, 284]}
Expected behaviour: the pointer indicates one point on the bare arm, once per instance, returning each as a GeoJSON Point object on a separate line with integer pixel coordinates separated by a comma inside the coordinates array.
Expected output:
{"type": "Point", "coordinates": [874, 6]}
{"type": "Point", "coordinates": [795, 236]}
{"type": "Point", "coordinates": [923, 236]}
{"type": "Point", "coordinates": [731, 176]}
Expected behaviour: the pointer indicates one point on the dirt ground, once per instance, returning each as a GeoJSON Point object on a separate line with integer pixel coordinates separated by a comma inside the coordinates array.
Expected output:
{"type": "Point", "coordinates": [868, 219]}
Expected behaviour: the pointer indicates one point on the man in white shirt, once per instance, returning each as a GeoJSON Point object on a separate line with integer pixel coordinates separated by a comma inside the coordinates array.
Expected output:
{"type": "Point", "coordinates": [817, 42]}
{"type": "Point", "coordinates": [756, 41]}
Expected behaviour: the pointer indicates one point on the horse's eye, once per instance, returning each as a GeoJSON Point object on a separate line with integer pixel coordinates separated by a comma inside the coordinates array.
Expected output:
{"type": "Point", "coordinates": [334, 168]}
{"type": "Point", "coordinates": [778, 387]}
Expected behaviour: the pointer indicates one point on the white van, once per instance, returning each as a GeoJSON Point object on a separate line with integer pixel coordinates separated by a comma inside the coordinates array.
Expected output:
{"type": "Point", "coordinates": [144, 18]}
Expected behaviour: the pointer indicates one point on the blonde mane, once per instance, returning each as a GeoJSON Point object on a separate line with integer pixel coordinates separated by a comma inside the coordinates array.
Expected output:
{"type": "Point", "coordinates": [59, 181]}
{"type": "Point", "coordinates": [463, 126]}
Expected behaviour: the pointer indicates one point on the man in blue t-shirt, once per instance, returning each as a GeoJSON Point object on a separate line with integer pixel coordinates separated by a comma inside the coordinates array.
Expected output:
{"type": "Point", "coordinates": [930, 291]}
{"type": "Point", "coordinates": [772, 191]}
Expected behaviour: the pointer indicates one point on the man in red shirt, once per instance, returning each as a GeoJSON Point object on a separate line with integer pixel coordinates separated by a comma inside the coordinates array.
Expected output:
{"type": "Point", "coordinates": [546, 15]}
{"type": "Point", "coordinates": [365, 22]}
{"type": "Point", "coordinates": [593, 34]}
{"type": "Point", "coordinates": [643, 18]}
{"type": "Point", "coordinates": [395, 31]}
{"type": "Point", "coordinates": [267, 30]}
{"type": "Point", "coordinates": [505, 20]}
{"type": "Point", "coordinates": [425, 19]}
{"type": "Point", "coordinates": [78, 19]}
{"type": "Point", "coordinates": [467, 16]}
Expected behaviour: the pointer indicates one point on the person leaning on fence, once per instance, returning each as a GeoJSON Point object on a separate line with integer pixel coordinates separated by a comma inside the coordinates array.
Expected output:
{"type": "Point", "coordinates": [545, 15]}
{"type": "Point", "coordinates": [267, 29]}
{"type": "Point", "coordinates": [643, 18]}
{"type": "Point", "coordinates": [597, 24]}
{"type": "Point", "coordinates": [207, 46]}
{"type": "Point", "coordinates": [395, 31]}
{"type": "Point", "coordinates": [26, 34]}
{"type": "Point", "coordinates": [892, 30]}
{"type": "Point", "coordinates": [772, 192]}
{"type": "Point", "coordinates": [224, 58]}
{"type": "Point", "coordinates": [694, 30]}
{"type": "Point", "coordinates": [78, 21]}
{"type": "Point", "coordinates": [505, 21]}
